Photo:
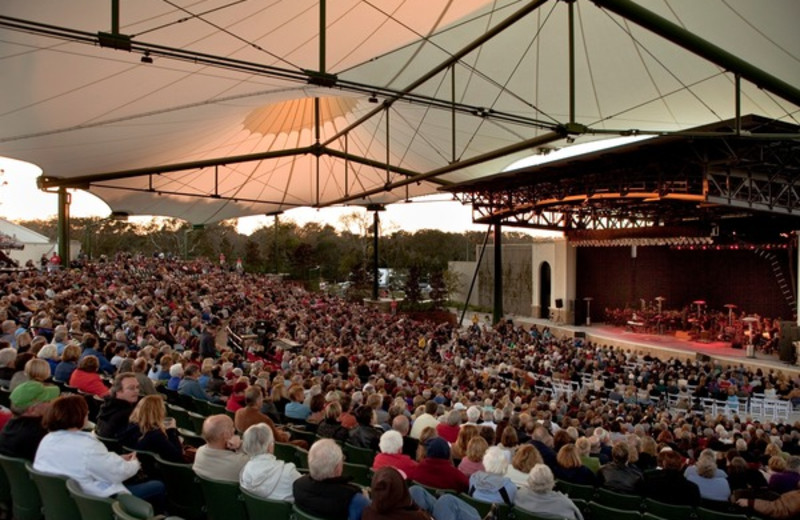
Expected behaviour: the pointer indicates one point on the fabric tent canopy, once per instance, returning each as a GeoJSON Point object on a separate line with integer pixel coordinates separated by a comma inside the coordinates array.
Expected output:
{"type": "Point", "coordinates": [251, 107]}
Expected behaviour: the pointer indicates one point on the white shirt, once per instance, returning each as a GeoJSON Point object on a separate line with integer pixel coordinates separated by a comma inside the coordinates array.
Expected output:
{"type": "Point", "coordinates": [81, 457]}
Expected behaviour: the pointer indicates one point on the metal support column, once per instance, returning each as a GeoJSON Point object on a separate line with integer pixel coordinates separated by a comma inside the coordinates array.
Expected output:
{"type": "Point", "coordinates": [497, 311]}
{"type": "Point", "coordinates": [375, 208]}
{"type": "Point", "coordinates": [63, 225]}
{"type": "Point", "coordinates": [474, 276]}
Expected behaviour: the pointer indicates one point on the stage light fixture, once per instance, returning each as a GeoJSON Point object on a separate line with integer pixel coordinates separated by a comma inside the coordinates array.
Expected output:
{"type": "Point", "coordinates": [147, 58]}
{"type": "Point", "coordinates": [373, 98]}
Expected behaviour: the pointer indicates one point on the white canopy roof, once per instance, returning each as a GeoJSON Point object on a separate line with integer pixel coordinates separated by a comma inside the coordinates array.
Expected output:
{"type": "Point", "coordinates": [234, 96]}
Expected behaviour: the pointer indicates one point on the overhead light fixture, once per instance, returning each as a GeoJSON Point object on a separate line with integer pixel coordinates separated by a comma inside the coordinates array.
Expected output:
{"type": "Point", "coordinates": [147, 58]}
{"type": "Point", "coordinates": [373, 98]}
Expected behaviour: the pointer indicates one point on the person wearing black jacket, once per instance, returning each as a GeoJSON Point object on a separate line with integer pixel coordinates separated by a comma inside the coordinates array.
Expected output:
{"type": "Point", "coordinates": [324, 492]}
{"type": "Point", "coordinates": [114, 414]}
{"type": "Point", "coordinates": [668, 484]}
{"type": "Point", "coordinates": [23, 432]}
{"type": "Point", "coordinates": [364, 435]}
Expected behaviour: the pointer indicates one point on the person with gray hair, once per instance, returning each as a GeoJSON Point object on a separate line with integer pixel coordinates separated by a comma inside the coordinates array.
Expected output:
{"type": "Point", "coordinates": [473, 415]}
{"type": "Point", "coordinates": [712, 482]}
{"type": "Point", "coordinates": [539, 498]}
{"type": "Point", "coordinates": [264, 475]}
{"type": "Point", "coordinates": [324, 492]}
{"type": "Point", "coordinates": [492, 484]}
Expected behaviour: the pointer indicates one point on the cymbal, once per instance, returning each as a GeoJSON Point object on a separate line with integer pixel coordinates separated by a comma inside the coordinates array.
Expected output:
{"type": "Point", "coordinates": [730, 305]}
{"type": "Point", "coordinates": [699, 302]}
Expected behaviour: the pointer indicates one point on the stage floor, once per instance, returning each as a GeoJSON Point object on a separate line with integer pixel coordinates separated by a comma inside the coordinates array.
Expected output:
{"type": "Point", "coordinates": [662, 346]}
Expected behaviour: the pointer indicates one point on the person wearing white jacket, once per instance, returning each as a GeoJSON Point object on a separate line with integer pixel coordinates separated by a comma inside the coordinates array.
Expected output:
{"type": "Point", "coordinates": [264, 475]}
{"type": "Point", "coordinates": [77, 454]}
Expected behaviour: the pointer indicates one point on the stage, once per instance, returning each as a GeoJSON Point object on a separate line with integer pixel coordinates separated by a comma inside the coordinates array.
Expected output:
{"type": "Point", "coordinates": [662, 346]}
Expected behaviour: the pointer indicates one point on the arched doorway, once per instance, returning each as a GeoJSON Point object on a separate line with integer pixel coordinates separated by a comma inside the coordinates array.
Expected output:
{"type": "Point", "coordinates": [544, 290]}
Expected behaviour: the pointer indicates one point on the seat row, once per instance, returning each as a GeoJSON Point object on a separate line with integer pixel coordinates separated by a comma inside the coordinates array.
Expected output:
{"type": "Point", "coordinates": [34, 495]}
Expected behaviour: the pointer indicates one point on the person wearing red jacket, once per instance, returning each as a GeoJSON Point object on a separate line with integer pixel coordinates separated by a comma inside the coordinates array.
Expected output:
{"type": "Point", "coordinates": [437, 470]}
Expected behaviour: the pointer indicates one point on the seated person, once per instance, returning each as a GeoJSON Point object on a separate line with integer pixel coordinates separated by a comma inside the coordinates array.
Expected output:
{"type": "Point", "coordinates": [618, 475]}
{"type": "Point", "coordinates": [324, 492]}
{"type": "Point", "coordinates": [391, 446]}
{"type": "Point", "coordinates": [24, 431]}
{"type": "Point", "coordinates": [73, 453]}
{"type": "Point", "coordinates": [492, 484]}
{"type": "Point", "coordinates": [437, 470]}
{"type": "Point", "coordinates": [539, 498]}
{"type": "Point", "coordinates": [264, 475]}
{"type": "Point", "coordinates": [150, 430]}
{"type": "Point", "coordinates": [668, 485]}
{"type": "Point", "coordinates": [115, 412]}
{"type": "Point", "coordinates": [219, 458]}
{"type": "Point", "coordinates": [364, 435]}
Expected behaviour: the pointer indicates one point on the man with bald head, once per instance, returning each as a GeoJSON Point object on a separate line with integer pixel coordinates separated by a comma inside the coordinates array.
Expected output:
{"type": "Point", "coordinates": [219, 458]}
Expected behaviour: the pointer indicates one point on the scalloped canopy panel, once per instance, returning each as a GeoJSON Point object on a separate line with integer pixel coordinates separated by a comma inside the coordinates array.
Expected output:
{"type": "Point", "coordinates": [214, 109]}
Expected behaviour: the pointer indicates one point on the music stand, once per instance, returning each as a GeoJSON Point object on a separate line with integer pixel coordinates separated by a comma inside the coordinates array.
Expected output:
{"type": "Point", "coordinates": [699, 304]}
{"type": "Point", "coordinates": [730, 307]}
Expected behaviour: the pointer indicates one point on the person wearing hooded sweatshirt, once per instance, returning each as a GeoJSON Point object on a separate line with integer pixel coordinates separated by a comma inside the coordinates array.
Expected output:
{"type": "Point", "coordinates": [264, 475]}
{"type": "Point", "coordinates": [391, 499]}
{"type": "Point", "coordinates": [492, 484]}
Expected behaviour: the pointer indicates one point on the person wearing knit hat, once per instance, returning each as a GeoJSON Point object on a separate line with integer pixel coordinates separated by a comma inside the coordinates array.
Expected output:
{"type": "Point", "coordinates": [437, 470]}
{"type": "Point", "coordinates": [23, 433]}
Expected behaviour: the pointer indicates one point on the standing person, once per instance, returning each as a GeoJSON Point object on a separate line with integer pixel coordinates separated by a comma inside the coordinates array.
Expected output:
{"type": "Point", "coordinates": [208, 340]}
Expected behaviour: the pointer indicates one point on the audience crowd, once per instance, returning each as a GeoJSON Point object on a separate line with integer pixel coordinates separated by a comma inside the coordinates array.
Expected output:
{"type": "Point", "coordinates": [502, 413]}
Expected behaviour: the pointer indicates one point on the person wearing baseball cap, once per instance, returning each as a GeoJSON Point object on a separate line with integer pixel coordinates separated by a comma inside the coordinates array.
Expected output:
{"type": "Point", "coordinates": [22, 434]}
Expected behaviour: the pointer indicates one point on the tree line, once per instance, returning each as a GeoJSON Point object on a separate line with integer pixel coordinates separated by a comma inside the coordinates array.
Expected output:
{"type": "Point", "coordinates": [314, 250]}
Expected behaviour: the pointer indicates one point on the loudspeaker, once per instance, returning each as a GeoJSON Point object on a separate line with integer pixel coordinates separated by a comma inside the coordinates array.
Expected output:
{"type": "Point", "coordinates": [559, 303]}
{"type": "Point", "coordinates": [579, 334]}
{"type": "Point", "coordinates": [789, 333]}
{"type": "Point", "coordinates": [703, 358]}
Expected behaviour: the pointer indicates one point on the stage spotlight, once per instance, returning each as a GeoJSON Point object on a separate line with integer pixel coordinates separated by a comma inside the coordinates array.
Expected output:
{"type": "Point", "coordinates": [147, 58]}
{"type": "Point", "coordinates": [373, 98]}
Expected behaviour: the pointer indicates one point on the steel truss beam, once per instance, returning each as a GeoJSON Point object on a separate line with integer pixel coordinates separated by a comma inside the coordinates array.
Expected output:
{"type": "Point", "coordinates": [665, 181]}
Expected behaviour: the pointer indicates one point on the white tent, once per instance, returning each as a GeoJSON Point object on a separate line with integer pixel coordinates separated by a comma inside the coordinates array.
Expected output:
{"type": "Point", "coordinates": [34, 244]}
{"type": "Point", "coordinates": [214, 109]}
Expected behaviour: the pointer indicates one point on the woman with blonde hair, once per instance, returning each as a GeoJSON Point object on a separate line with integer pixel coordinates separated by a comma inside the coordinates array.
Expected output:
{"type": "Point", "coordinates": [473, 462]}
{"type": "Point", "coordinates": [570, 468]}
{"type": "Point", "coordinates": [35, 370]}
{"type": "Point", "coordinates": [459, 448]}
{"type": "Point", "coordinates": [429, 432]}
{"type": "Point", "coordinates": [151, 430]}
{"type": "Point", "coordinates": [525, 458]}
